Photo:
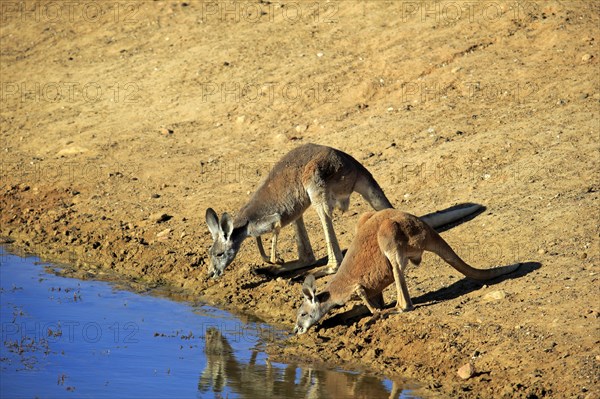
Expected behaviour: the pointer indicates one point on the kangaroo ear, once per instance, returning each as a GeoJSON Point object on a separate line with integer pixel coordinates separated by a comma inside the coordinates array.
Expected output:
{"type": "Point", "coordinates": [308, 288]}
{"type": "Point", "coordinates": [226, 225]}
{"type": "Point", "coordinates": [323, 296]}
{"type": "Point", "coordinates": [212, 220]}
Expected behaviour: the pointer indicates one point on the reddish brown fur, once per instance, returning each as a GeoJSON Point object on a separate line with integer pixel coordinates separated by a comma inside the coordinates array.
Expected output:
{"type": "Point", "coordinates": [384, 243]}
{"type": "Point", "coordinates": [366, 265]}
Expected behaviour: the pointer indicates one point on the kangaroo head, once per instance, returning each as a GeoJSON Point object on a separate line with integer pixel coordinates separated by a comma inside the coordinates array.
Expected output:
{"type": "Point", "coordinates": [225, 246]}
{"type": "Point", "coordinates": [311, 311]}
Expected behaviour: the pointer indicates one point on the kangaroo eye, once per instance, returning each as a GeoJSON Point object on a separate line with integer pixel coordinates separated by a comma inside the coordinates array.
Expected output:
{"type": "Point", "coordinates": [220, 254]}
{"type": "Point", "coordinates": [303, 314]}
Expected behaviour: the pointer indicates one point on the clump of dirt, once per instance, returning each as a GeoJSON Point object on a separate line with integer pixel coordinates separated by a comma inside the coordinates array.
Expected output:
{"type": "Point", "coordinates": [122, 122]}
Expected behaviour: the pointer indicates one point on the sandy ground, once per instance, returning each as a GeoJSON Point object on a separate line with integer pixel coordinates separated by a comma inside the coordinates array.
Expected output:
{"type": "Point", "coordinates": [115, 113]}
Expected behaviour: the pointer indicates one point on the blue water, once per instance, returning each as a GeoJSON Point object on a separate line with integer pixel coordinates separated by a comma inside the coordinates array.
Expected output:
{"type": "Point", "coordinates": [63, 337]}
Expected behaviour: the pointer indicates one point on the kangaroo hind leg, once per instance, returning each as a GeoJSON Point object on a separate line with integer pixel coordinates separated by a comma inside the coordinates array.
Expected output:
{"type": "Point", "coordinates": [320, 199]}
{"type": "Point", "coordinates": [305, 251]}
{"type": "Point", "coordinates": [392, 243]}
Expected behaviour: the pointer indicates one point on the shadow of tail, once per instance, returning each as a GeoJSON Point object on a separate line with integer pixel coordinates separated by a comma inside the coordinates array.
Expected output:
{"type": "Point", "coordinates": [466, 285]}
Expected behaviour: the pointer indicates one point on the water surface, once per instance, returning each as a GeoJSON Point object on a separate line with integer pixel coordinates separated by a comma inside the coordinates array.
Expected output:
{"type": "Point", "coordinates": [63, 337]}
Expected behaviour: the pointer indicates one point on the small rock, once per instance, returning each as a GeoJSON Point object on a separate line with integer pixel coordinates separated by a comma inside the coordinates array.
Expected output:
{"type": "Point", "coordinates": [344, 353]}
{"type": "Point", "coordinates": [319, 54]}
{"type": "Point", "coordinates": [583, 256]}
{"type": "Point", "coordinates": [71, 151]}
{"type": "Point", "coordinates": [508, 391]}
{"type": "Point", "coordinates": [594, 314]}
{"type": "Point", "coordinates": [164, 233]}
{"type": "Point", "coordinates": [280, 138]}
{"type": "Point", "coordinates": [301, 128]}
{"type": "Point", "coordinates": [155, 196]}
{"type": "Point", "coordinates": [583, 96]}
{"type": "Point", "coordinates": [159, 217]}
{"type": "Point", "coordinates": [494, 296]}
{"type": "Point", "coordinates": [165, 132]}
{"type": "Point", "coordinates": [456, 69]}
{"type": "Point", "coordinates": [466, 371]}
{"type": "Point", "coordinates": [587, 58]}
{"type": "Point", "coordinates": [541, 251]}
{"type": "Point", "coordinates": [240, 119]}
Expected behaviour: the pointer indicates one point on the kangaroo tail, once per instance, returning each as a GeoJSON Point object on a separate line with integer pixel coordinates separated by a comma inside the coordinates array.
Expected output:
{"type": "Point", "coordinates": [441, 248]}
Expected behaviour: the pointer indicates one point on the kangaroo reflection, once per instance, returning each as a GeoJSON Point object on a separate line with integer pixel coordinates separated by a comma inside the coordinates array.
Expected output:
{"type": "Point", "coordinates": [254, 380]}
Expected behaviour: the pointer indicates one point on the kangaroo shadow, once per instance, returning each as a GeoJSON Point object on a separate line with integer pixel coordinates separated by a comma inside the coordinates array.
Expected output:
{"type": "Point", "coordinates": [454, 290]}
{"type": "Point", "coordinates": [460, 221]}
{"type": "Point", "coordinates": [299, 274]}
{"type": "Point", "coordinates": [466, 285]}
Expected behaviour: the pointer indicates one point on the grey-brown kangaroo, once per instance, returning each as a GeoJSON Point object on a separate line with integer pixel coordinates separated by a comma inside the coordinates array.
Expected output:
{"type": "Point", "coordinates": [309, 174]}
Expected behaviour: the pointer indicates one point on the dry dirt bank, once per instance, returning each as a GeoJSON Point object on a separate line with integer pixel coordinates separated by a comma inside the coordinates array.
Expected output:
{"type": "Point", "coordinates": [115, 113]}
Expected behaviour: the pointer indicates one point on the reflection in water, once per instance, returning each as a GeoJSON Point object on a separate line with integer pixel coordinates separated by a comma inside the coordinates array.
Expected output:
{"type": "Point", "coordinates": [63, 337]}
{"type": "Point", "coordinates": [225, 374]}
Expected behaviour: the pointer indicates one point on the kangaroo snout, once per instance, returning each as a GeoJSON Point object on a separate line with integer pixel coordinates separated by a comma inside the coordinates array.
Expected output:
{"type": "Point", "coordinates": [299, 330]}
{"type": "Point", "coordinates": [214, 274]}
